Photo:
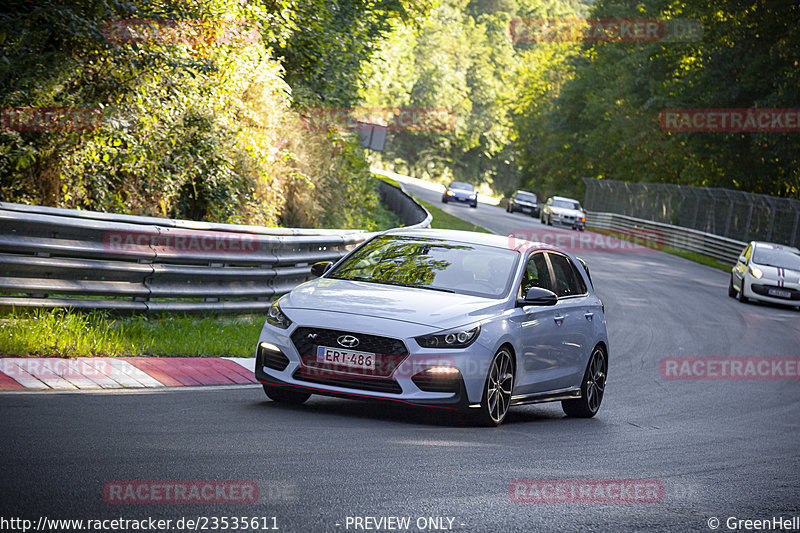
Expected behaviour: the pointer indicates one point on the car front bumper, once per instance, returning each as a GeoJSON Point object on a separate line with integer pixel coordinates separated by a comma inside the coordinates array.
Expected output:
{"type": "Point", "coordinates": [288, 369]}
{"type": "Point", "coordinates": [769, 291]}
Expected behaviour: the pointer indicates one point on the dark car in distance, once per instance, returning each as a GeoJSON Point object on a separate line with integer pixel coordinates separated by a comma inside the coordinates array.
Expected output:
{"type": "Point", "coordinates": [461, 192]}
{"type": "Point", "coordinates": [525, 202]}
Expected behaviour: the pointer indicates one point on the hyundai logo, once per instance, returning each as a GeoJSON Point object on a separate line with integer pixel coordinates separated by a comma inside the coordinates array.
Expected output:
{"type": "Point", "coordinates": [348, 341]}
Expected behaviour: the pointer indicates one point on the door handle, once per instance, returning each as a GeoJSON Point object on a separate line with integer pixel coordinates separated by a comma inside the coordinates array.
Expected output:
{"type": "Point", "coordinates": [589, 316]}
{"type": "Point", "coordinates": [559, 320]}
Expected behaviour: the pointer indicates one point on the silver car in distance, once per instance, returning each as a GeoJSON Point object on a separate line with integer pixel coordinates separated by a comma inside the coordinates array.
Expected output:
{"type": "Point", "coordinates": [442, 319]}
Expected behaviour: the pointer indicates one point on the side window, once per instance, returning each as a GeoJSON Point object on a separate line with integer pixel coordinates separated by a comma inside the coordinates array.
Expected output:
{"type": "Point", "coordinates": [536, 274]}
{"type": "Point", "coordinates": [568, 282]}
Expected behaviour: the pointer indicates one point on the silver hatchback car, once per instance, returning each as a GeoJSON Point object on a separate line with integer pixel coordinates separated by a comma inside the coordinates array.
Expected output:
{"type": "Point", "coordinates": [767, 272]}
{"type": "Point", "coordinates": [442, 319]}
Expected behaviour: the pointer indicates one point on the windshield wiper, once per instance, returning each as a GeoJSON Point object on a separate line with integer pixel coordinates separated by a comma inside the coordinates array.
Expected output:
{"type": "Point", "coordinates": [427, 287]}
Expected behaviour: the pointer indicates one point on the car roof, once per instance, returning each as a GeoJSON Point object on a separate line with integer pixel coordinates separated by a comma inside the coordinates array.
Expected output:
{"type": "Point", "coordinates": [526, 192]}
{"type": "Point", "coordinates": [470, 237]}
{"type": "Point", "coordinates": [565, 198]}
{"type": "Point", "coordinates": [775, 246]}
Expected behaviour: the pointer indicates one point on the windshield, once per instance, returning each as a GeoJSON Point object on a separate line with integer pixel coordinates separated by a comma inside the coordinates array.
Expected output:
{"type": "Point", "coordinates": [525, 196]}
{"type": "Point", "coordinates": [433, 264]}
{"type": "Point", "coordinates": [776, 257]}
{"type": "Point", "coordinates": [567, 204]}
{"type": "Point", "coordinates": [461, 185]}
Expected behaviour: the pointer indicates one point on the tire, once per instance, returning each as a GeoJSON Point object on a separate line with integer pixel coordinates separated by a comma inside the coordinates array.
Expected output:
{"type": "Point", "coordinates": [740, 296]}
{"type": "Point", "coordinates": [549, 221]}
{"type": "Point", "coordinates": [444, 200]}
{"type": "Point", "coordinates": [497, 390]}
{"type": "Point", "coordinates": [474, 206]}
{"type": "Point", "coordinates": [508, 209]}
{"type": "Point", "coordinates": [285, 395]}
{"type": "Point", "coordinates": [592, 388]}
{"type": "Point", "coordinates": [731, 290]}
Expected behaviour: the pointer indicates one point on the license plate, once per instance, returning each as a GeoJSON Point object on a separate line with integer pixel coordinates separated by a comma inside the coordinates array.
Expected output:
{"type": "Point", "coordinates": [348, 358]}
{"type": "Point", "coordinates": [779, 293]}
{"type": "Point", "coordinates": [526, 209]}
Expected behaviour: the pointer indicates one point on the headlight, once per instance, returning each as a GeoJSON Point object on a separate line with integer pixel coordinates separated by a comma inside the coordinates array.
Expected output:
{"type": "Point", "coordinates": [756, 272]}
{"type": "Point", "coordinates": [449, 193]}
{"type": "Point", "coordinates": [451, 339]}
{"type": "Point", "coordinates": [583, 219]}
{"type": "Point", "coordinates": [276, 317]}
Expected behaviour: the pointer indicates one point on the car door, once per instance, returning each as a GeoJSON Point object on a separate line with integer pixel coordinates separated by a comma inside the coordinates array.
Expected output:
{"type": "Point", "coordinates": [575, 314]}
{"type": "Point", "coordinates": [741, 267]}
{"type": "Point", "coordinates": [538, 331]}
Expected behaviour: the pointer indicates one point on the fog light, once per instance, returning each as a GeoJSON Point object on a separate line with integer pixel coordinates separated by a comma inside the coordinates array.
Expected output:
{"type": "Point", "coordinates": [271, 347]}
{"type": "Point", "coordinates": [445, 370]}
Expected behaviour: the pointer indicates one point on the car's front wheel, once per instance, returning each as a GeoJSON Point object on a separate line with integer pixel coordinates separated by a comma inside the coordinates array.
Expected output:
{"type": "Point", "coordinates": [731, 290]}
{"type": "Point", "coordinates": [742, 298]}
{"type": "Point", "coordinates": [592, 388]}
{"type": "Point", "coordinates": [285, 395]}
{"type": "Point", "coordinates": [497, 391]}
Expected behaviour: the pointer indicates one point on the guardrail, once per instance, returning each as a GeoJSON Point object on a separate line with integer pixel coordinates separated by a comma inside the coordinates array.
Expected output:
{"type": "Point", "coordinates": [62, 258]}
{"type": "Point", "coordinates": [716, 247]}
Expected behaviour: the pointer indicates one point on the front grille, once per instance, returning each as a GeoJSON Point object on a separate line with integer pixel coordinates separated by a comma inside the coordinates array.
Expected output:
{"type": "Point", "coordinates": [764, 291]}
{"type": "Point", "coordinates": [389, 353]}
{"type": "Point", "coordinates": [374, 384]}
{"type": "Point", "coordinates": [273, 360]}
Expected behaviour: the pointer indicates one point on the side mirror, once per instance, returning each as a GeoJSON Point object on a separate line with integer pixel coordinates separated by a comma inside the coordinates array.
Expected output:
{"type": "Point", "coordinates": [742, 260]}
{"type": "Point", "coordinates": [318, 269]}
{"type": "Point", "coordinates": [538, 296]}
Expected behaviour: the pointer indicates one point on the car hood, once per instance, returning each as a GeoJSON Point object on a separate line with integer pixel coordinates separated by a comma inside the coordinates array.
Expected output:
{"type": "Point", "coordinates": [418, 306]}
{"type": "Point", "coordinates": [775, 273]}
{"type": "Point", "coordinates": [526, 203]}
{"type": "Point", "coordinates": [567, 212]}
{"type": "Point", "coordinates": [462, 192]}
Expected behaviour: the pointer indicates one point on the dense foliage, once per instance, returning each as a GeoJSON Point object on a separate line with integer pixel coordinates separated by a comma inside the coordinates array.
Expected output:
{"type": "Point", "coordinates": [544, 115]}
{"type": "Point", "coordinates": [196, 117]}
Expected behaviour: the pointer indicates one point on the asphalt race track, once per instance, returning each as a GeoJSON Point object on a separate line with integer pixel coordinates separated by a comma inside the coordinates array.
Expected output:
{"type": "Point", "coordinates": [719, 448]}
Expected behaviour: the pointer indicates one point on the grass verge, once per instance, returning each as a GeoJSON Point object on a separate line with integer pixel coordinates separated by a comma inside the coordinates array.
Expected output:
{"type": "Point", "coordinates": [444, 220]}
{"type": "Point", "coordinates": [692, 256]}
{"type": "Point", "coordinates": [61, 333]}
